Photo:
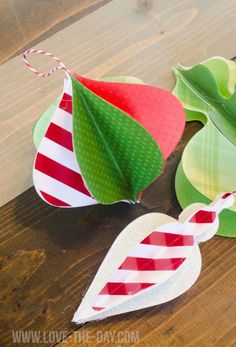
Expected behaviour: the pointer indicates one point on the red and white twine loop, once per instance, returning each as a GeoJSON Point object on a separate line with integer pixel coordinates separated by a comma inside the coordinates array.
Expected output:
{"type": "Point", "coordinates": [60, 65]}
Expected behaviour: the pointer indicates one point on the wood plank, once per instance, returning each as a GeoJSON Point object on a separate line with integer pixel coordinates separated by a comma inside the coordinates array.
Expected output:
{"type": "Point", "coordinates": [121, 38]}
{"type": "Point", "coordinates": [49, 256]}
{"type": "Point", "coordinates": [26, 24]}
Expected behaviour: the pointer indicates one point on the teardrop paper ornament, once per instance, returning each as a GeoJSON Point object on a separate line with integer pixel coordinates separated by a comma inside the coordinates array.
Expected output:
{"type": "Point", "coordinates": [154, 259]}
{"type": "Point", "coordinates": [209, 160]}
{"type": "Point", "coordinates": [102, 141]}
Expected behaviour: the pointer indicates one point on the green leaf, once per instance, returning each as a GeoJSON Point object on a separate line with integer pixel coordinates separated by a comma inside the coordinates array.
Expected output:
{"type": "Point", "coordinates": [201, 91]}
{"type": "Point", "coordinates": [187, 194]}
{"type": "Point", "coordinates": [209, 162]}
{"type": "Point", "coordinates": [207, 92]}
{"type": "Point", "coordinates": [118, 158]}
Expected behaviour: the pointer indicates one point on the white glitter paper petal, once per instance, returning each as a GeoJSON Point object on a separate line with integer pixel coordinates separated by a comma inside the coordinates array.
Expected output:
{"type": "Point", "coordinates": [131, 235]}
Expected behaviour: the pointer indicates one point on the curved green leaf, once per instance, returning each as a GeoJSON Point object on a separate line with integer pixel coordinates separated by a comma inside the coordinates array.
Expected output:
{"type": "Point", "coordinates": [201, 91]}
{"type": "Point", "coordinates": [209, 162]}
{"type": "Point", "coordinates": [208, 166]}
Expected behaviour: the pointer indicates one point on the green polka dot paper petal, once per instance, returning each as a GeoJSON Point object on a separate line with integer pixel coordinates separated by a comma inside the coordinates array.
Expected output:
{"type": "Point", "coordinates": [118, 157]}
{"type": "Point", "coordinates": [44, 120]}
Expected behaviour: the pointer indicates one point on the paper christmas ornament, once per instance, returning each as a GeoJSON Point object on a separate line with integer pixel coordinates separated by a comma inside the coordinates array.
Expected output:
{"type": "Point", "coordinates": [154, 259]}
{"type": "Point", "coordinates": [103, 141]}
{"type": "Point", "coordinates": [208, 165]}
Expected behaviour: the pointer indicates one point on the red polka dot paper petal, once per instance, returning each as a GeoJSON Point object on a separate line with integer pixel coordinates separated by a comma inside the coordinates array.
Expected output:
{"type": "Point", "coordinates": [155, 109]}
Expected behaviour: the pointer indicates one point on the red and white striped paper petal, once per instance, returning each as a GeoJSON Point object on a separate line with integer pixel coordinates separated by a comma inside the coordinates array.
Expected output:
{"type": "Point", "coordinates": [153, 261]}
{"type": "Point", "coordinates": [162, 259]}
{"type": "Point", "coordinates": [56, 174]}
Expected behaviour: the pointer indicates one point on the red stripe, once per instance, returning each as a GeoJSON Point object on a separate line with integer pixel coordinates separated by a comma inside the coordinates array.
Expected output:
{"type": "Point", "coordinates": [144, 264]}
{"type": "Point", "coordinates": [66, 103]}
{"type": "Point", "coordinates": [96, 308]}
{"type": "Point", "coordinates": [60, 136]}
{"type": "Point", "coordinates": [158, 238]}
{"type": "Point", "coordinates": [226, 195]}
{"type": "Point", "coordinates": [52, 200]}
{"type": "Point", "coordinates": [124, 288]}
{"type": "Point", "coordinates": [60, 173]}
{"type": "Point", "coordinates": [203, 217]}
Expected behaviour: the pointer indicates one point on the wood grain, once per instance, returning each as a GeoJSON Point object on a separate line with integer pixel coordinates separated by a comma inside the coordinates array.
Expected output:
{"type": "Point", "coordinates": [25, 22]}
{"type": "Point", "coordinates": [120, 38]}
{"type": "Point", "coordinates": [49, 256]}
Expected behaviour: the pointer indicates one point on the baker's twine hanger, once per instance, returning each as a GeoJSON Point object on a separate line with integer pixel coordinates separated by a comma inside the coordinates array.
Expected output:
{"type": "Point", "coordinates": [60, 65]}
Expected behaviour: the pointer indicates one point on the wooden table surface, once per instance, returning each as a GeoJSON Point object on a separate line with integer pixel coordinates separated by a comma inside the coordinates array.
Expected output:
{"type": "Point", "coordinates": [49, 256]}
